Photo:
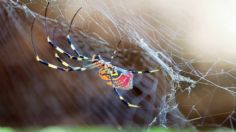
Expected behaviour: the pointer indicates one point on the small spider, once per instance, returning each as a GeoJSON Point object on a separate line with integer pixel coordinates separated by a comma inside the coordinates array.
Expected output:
{"type": "Point", "coordinates": [114, 76]}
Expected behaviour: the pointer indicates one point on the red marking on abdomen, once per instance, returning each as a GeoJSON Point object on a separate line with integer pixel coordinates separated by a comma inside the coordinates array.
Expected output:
{"type": "Point", "coordinates": [125, 79]}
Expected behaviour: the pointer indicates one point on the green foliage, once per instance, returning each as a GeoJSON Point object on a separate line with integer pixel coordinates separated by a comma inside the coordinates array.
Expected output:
{"type": "Point", "coordinates": [101, 129]}
{"type": "Point", "coordinates": [80, 129]}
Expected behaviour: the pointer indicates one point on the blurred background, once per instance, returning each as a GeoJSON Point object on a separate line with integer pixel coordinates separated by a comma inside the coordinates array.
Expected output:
{"type": "Point", "coordinates": [192, 42]}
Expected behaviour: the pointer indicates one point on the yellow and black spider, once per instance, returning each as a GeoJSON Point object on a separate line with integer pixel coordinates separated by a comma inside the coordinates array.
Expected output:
{"type": "Point", "coordinates": [116, 77]}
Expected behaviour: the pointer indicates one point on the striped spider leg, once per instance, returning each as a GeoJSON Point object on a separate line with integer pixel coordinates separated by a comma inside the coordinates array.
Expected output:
{"type": "Point", "coordinates": [79, 57]}
{"type": "Point", "coordinates": [120, 96]}
{"type": "Point", "coordinates": [60, 50]}
{"type": "Point", "coordinates": [144, 72]}
{"type": "Point", "coordinates": [93, 65]}
{"type": "Point", "coordinates": [133, 71]}
{"type": "Point", "coordinates": [125, 80]}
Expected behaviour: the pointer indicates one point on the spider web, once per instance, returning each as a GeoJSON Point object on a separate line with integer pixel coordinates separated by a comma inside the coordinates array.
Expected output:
{"type": "Point", "coordinates": [188, 92]}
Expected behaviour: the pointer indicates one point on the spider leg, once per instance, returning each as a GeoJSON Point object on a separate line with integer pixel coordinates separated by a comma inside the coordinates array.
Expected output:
{"type": "Point", "coordinates": [41, 60]}
{"type": "Point", "coordinates": [68, 35]}
{"type": "Point", "coordinates": [50, 65]}
{"type": "Point", "coordinates": [56, 47]}
{"type": "Point", "coordinates": [143, 72]}
{"type": "Point", "coordinates": [79, 58]}
{"type": "Point", "coordinates": [121, 97]}
{"type": "Point", "coordinates": [113, 55]}
{"type": "Point", "coordinates": [69, 40]}
{"type": "Point", "coordinates": [124, 101]}
{"type": "Point", "coordinates": [60, 50]}
{"type": "Point", "coordinates": [87, 67]}
{"type": "Point", "coordinates": [115, 51]}
{"type": "Point", "coordinates": [72, 46]}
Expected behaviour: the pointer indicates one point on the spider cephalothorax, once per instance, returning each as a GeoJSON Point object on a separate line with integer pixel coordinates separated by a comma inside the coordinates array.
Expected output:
{"type": "Point", "coordinates": [116, 77]}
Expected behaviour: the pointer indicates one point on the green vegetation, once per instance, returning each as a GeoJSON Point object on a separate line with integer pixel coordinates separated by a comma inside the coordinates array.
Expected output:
{"type": "Point", "coordinates": [79, 129]}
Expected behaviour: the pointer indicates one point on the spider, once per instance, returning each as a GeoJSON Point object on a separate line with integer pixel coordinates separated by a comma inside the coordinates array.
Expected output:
{"type": "Point", "coordinates": [114, 76]}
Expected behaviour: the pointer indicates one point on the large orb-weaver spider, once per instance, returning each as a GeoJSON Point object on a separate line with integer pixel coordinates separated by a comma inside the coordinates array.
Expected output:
{"type": "Point", "coordinates": [116, 77]}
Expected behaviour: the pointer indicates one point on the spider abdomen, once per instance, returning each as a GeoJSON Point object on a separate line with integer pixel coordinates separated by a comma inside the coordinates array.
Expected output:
{"type": "Point", "coordinates": [118, 78]}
